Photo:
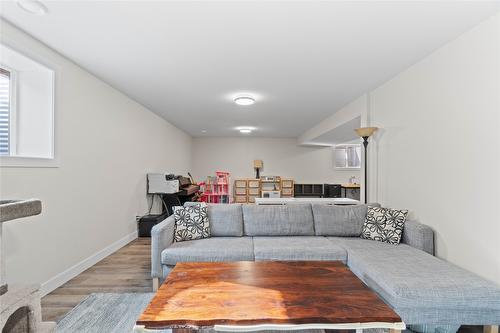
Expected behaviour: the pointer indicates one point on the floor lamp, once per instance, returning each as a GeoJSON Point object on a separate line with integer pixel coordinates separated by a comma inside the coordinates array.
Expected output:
{"type": "Point", "coordinates": [365, 133]}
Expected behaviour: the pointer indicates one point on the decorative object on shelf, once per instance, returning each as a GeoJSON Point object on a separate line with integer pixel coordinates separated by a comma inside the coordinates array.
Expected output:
{"type": "Point", "coordinates": [365, 133]}
{"type": "Point", "coordinates": [216, 189]}
{"type": "Point", "coordinates": [257, 165]}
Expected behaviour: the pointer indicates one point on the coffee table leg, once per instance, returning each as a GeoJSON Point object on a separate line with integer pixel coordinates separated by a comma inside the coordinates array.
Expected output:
{"type": "Point", "coordinates": [139, 329]}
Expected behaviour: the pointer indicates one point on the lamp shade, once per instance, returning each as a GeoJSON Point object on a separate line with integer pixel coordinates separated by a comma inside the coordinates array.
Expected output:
{"type": "Point", "coordinates": [257, 164]}
{"type": "Point", "coordinates": [365, 131]}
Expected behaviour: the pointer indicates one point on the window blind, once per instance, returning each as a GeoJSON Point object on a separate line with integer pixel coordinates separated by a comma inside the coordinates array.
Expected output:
{"type": "Point", "coordinates": [4, 112]}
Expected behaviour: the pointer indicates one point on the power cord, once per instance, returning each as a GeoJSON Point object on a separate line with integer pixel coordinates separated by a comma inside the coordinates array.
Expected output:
{"type": "Point", "coordinates": [152, 202]}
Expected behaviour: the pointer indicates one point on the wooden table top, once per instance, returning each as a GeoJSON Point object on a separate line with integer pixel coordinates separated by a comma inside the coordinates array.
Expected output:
{"type": "Point", "coordinates": [351, 185]}
{"type": "Point", "coordinates": [245, 293]}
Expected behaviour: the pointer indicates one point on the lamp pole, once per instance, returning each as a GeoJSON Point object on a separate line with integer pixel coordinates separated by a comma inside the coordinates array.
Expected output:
{"type": "Point", "coordinates": [365, 144]}
{"type": "Point", "coordinates": [365, 133]}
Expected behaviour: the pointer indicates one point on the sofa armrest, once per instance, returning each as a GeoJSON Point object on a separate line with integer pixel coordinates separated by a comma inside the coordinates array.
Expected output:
{"type": "Point", "coordinates": [419, 236]}
{"type": "Point", "coordinates": [162, 236]}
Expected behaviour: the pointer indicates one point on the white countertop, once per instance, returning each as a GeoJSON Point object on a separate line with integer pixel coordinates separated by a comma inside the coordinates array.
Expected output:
{"type": "Point", "coordinates": [284, 201]}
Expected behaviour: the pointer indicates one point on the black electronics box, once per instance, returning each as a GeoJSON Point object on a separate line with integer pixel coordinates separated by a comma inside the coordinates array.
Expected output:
{"type": "Point", "coordinates": [147, 222]}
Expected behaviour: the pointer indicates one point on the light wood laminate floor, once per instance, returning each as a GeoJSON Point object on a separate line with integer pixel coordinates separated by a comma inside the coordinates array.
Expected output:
{"type": "Point", "coordinates": [126, 271]}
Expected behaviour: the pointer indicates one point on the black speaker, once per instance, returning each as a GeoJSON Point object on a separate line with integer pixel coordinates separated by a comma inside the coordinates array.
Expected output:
{"type": "Point", "coordinates": [147, 222]}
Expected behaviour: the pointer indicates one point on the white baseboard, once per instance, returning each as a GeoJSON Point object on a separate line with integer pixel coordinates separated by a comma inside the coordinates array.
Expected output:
{"type": "Point", "coordinates": [63, 277]}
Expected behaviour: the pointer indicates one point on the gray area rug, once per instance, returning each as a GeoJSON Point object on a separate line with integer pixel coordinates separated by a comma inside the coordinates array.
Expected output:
{"type": "Point", "coordinates": [105, 313]}
{"type": "Point", "coordinates": [117, 313]}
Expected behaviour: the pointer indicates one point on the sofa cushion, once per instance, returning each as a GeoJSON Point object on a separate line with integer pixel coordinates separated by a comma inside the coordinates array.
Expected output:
{"type": "Point", "coordinates": [284, 220]}
{"type": "Point", "coordinates": [420, 287]}
{"type": "Point", "coordinates": [297, 248]}
{"type": "Point", "coordinates": [225, 220]}
{"type": "Point", "coordinates": [384, 224]}
{"type": "Point", "coordinates": [209, 249]}
{"type": "Point", "coordinates": [191, 223]}
{"type": "Point", "coordinates": [333, 220]}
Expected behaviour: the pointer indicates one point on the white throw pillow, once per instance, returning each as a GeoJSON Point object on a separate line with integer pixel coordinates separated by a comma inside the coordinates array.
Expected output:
{"type": "Point", "coordinates": [384, 224]}
{"type": "Point", "coordinates": [191, 223]}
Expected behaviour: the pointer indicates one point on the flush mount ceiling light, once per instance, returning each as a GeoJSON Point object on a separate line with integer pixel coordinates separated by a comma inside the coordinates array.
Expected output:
{"type": "Point", "coordinates": [244, 100]}
{"type": "Point", "coordinates": [34, 7]}
{"type": "Point", "coordinates": [245, 129]}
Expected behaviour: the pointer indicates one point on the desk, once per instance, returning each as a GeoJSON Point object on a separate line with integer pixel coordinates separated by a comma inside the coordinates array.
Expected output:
{"type": "Point", "coordinates": [327, 201]}
{"type": "Point", "coordinates": [351, 187]}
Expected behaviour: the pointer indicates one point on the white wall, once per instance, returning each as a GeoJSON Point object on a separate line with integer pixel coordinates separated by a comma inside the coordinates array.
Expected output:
{"type": "Point", "coordinates": [282, 157]}
{"type": "Point", "coordinates": [106, 144]}
{"type": "Point", "coordinates": [439, 146]}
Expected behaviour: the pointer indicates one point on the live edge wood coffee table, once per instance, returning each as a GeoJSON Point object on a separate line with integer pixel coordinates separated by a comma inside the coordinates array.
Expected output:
{"type": "Point", "coordinates": [268, 295]}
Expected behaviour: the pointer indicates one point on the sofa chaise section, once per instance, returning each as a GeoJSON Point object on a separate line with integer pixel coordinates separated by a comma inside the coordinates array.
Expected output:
{"type": "Point", "coordinates": [420, 287]}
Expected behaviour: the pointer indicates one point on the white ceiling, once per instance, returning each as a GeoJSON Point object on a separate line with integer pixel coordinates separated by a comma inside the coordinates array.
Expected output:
{"type": "Point", "coordinates": [302, 60]}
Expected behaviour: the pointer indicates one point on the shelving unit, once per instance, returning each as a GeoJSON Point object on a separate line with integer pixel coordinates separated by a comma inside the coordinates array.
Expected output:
{"type": "Point", "coordinates": [246, 190]}
{"type": "Point", "coordinates": [308, 190]}
{"type": "Point", "coordinates": [287, 188]}
{"type": "Point", "coordinates": [216, 189]}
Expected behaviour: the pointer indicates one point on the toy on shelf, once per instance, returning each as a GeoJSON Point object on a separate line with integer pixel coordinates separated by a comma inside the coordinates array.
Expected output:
{"type": "Point", "coordinates": [216, 189]}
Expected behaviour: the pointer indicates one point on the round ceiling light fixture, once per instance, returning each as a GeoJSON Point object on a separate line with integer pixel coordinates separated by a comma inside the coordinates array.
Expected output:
{"type": "Point", "coordinates": [34, 7]}
{"type": "Point", "coordinates": [245, 129]}
{"type": "Point", "coordinates": [244, 100]}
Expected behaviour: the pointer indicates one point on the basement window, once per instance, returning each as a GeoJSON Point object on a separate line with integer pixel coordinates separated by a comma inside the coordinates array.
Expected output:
{"type": "Point", "coordinates": [348, 156]}
{"type": "Point", "coordinates": [26, 108]}
{"type": "Point", "coordinates": [6, 107]}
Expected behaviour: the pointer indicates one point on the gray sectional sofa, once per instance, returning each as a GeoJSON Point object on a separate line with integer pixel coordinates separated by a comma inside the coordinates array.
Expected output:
{"type": "Point", "coordinates": [421, 288]}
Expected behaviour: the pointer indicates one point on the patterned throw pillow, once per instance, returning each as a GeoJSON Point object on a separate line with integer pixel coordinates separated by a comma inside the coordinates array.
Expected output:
{"type": "Point", "coordinates": [384, 224]}
{"type": "Point", "coordinates": [191, 223]}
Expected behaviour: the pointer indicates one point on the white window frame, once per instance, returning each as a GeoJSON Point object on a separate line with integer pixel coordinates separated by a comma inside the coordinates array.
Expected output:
{"type": "Point", "coordinates": [53, 64]}
{"type": "Point", "coordinates": [12, 110]}
{"type": "Point", "coordinates": [343, 147]}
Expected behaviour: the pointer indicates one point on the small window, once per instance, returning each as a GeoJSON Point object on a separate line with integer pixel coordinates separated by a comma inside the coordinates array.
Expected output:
{"type": "Point", "coordinates": [348, 156]}
{"type": "Point", "coordinates": [26, 108]}
{"type": "Point", "coordinates": [5, 111]}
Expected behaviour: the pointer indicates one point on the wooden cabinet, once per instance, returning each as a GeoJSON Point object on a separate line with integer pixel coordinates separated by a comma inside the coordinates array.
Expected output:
{"type": "Point", "coordinates": [287, 188]}
{"type": "Point", "coordinates": [246, 190]}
